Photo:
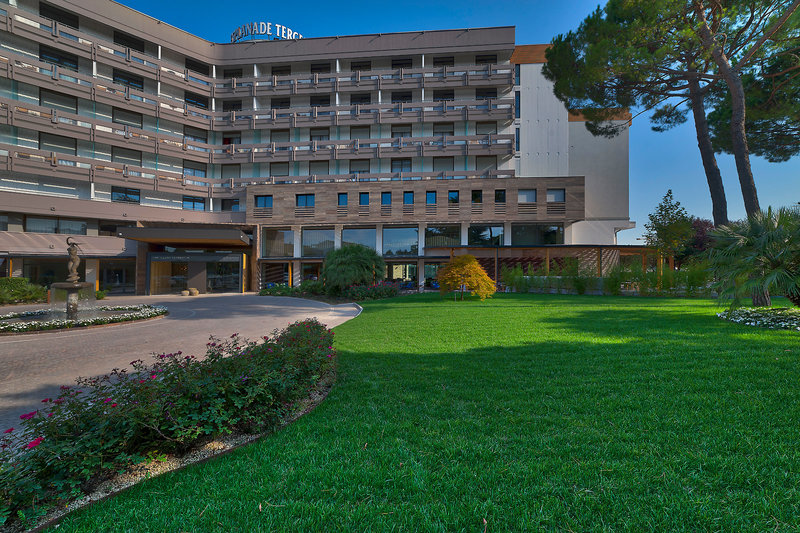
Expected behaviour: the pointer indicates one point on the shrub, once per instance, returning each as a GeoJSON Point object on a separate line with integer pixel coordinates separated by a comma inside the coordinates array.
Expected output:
{"type": "Point", "coordinates": [100, 295]}
{"type": "Point", "coordinates": [465, 273]}
{"type": "Point", "coordinates": [20, 290]}
{"type": "Point", "coordinates": [516, 279]}
{"type": "Point", "coordinates": [106, 424]}
{"type": "Point", "coordinates": [352, 265]}
{"type": "Point", "coordinates": [614, 278]}
{"type": "Point", "coordinates": [376, 291]}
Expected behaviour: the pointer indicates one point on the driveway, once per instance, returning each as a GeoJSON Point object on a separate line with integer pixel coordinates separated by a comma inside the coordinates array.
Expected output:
{"type": "Point", "coordinates": [34, 366]}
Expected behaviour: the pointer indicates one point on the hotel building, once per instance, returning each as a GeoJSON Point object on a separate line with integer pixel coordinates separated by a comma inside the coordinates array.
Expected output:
{"type": "Point", "coordinates": [181, 163]}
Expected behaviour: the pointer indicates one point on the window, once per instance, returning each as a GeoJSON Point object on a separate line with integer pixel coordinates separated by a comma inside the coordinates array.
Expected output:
{"type": "Point", "coordinates": [500, 196]}
{"type": "Point", "coordinates": [195, 134]}
{"type": "Point", "coordinates": [516, 140]}
{"type": "Point", "coordinates": [304, 200]}
{"type": "Point", "coordinates": [555, 195]}
{"type": "Point", "coordinates": [320, 134]}
{"type": "Point", "coordinates": [57, 57]}
{"type": "Point", "coordinates": [281, 70]}
{"type": "Point", "coordinates": [486, 128]}
{"type": "Point", "coordinates": [443, 164]}
{"type": "Point", "coordinates": [342, 199]}
{"type": "Point", "coordinates": [400, 241]}
{"type": "Point", "coordinates": [408, 198]}
{"type": "Point", "coordinates": [126, 156]}
{"type": "Point", "coordinates": [445, 128]}
{"type": "Point", "coordinates": [71, 227]}
{"type": "Point", "coordinates": [197, 66]}
{"type": "Point", "coordinates": [126, 118]}
{"type": "Point", "coordinates": [127, 79]}
{"type": "Point", "coordinates": [230, 204]}
{"type": "Point", "coordinates": [516, 74]}
{"type": "Point", "coordinates": [195, 100]}
{"type": "Point", "coordinates": [359, 132]}
{"type": "Point", "coordinates": [123, 39]}
{"type": "Point", "coordinates": [277, 243]}
{"type": "Point", "coordinates": [401, 165]}
{"type": "Point", "coordinates": [486, 162]}
{"type": "Point", "coordinates": [125, 195]}
{"type": "Point", "coordinates": [194, 203]}
{"type": "Point", "coordinates": [279, 136]}
{"type": "Point", "coordinates": [399, 97]}
{"type": "Point", "coordinates": [444, 61]}
{"type": "Point", "coordinates": [442, 95]}
{"type": "Point", "coordinates": [386, 198]}
{"type": "Point", "coordinates": [401, 130]}
{"type": "Point", "coordinates": [363, 198]}
{"type": "Point", "coordinates": [526, 196]}
{"type": "Point", "coordinates": [320, 68]}
{"type": "Point", "coordinates": [231, 172]}
{"type": "Point", "coordinates": [430, 197]}
{"type": "Point", "coordinates": [263, 201]}
{"type": "Point", "coordinates": [57, 144]}
{"type": "Point", "coordinates": [438, 236]}
{"type": "Point", "coordinates": [59, 15]}
{"type": "Point", "coordinates": [516, 104]}
{"type": "Point", "coordinates": [323, 100]}
{"type": "Point", "coordinates": [316, 242]}
{"type": "Point", "coordinates": [360, 65]}
{"type": "Point", "coordinates": [280, 103]}
{"type": "Point", "coordinates": [360, 99]}
{"type": "Point", "coordinates": [363, 236]}
{"type": "Point", "coordinates": [483, 94]}
{"type": "Point", "coordinates": [4, 224]}
{"type": "Point", "coordinates": [231, 105]}
{"type": "Point", "coordinates": [279, 169]}
{"type": "Point", "coordinates": [480, 235]}
{"type": "Point", "coordinates": [58, 101]}
{"type": "Point", "coordinates": [452, 197]}
{"type": "Point", "coordinates": [318, 168]}
{"type": "Point", "coordinates": [485, 59]}
{"type": "Point", "coordinates": [477, 197]}
{"type": "Point", "coordinates": [231, 138]}
{"type": "Point", "coordinates": [402, 62]}
{"type": "Point", "coordinates": [232, 73]}
{"type": "Point", "coordinates": [41, 225]}
{"type": "Point", "coordinates": [359, 166]}
{"type": "Point", "coordinates": [536, 234]}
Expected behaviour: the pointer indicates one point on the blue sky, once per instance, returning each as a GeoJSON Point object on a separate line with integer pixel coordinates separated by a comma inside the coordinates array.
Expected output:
{"type": "Point", "coordinates": [658, 161]}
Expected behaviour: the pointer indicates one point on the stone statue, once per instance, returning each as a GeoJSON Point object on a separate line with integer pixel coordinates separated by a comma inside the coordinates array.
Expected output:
{"type": "Point", "coordinates": [74, 261]}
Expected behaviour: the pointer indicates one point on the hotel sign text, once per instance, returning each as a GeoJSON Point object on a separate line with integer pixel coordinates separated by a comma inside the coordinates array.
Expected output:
{"type": "Point", "coordinates": [268, 29]}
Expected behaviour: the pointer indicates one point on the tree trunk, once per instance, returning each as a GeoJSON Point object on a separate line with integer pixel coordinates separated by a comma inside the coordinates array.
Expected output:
{"type": "Point", "coordinates": [719, 204]}
{"type": "Point", "coordinates": [741, 153]}
{"type": "Point", "coordinates": [761, 298]}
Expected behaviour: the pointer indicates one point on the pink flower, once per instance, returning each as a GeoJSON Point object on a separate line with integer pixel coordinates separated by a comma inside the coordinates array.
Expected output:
{"type": "Point", "coordinates": [35, 442]}
{"type": "Point", "coordinates": [49, 415]}
{"type": "Point", "coordinates": [107, 400]}
{"type": "Point", "coordinates": [28, 416]}
{"type": "Point", "coordinates": [153, 376]}
{"type": "Point", "coordinates": [142, 380]}
{"type": "Point", "coordinates": [46, 400]}
{"type": "Point", "coordinates": [9, 430]}
{"type": "Point", "coordinates": [113, 405]}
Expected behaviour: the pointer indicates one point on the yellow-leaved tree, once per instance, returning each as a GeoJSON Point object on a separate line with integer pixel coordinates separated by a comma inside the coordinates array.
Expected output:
{"type": "Point", "coordinates": [464, 273]}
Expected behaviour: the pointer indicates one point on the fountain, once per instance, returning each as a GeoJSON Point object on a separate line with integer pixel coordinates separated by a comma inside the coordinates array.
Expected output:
{"type": "Point", "coordinates": [72, 286]}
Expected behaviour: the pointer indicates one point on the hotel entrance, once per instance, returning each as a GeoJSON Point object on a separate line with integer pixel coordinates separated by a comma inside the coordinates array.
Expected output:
{"type": "Point", "coordinates": [171, 273]}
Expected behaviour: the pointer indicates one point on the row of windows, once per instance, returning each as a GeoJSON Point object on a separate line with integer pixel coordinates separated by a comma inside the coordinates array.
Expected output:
{"type": "Point", "coordinates": [129, 195]}
{"type": "Point", "coordinates": [524, 196]}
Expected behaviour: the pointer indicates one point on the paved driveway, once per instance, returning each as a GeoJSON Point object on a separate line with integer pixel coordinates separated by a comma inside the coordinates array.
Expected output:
{"type": "Point", "coordinates": [34, 366]}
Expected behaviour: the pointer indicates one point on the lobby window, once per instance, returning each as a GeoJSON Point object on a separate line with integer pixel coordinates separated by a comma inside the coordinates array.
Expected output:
{"type": "Point", "coordinates": [444, 61]}
{"type": "Point", "coordinates": [484, 235]}
{"type": "Point", "coordinates": [280, 103]}
{"type": "Point", "coordinates": [401, 165]}
{"type": "Point", "coordinates": [516, 74]}
{"type": "Point", "coordinates": [58, 101]}
{"type": "Point", "coordinates": [400, 241]}
{"type": "Point", "coordinates": [232, 73]}
{"type": "Point", "coordinates": [500, 196]}
{"type": "Point", "coordinates": [485, 59]}
{"type": "Point", "coordinates": [277, 243]}
{"type": "Point", "coordinates": [401, 130]}
{"type": "Point", "coordinates": [360, 66]}
{"type": "Point", "coordinates": [316, 242]}
{"type": "Point", "coordinates": [363, 198]}
{"type": "Point", "coordinates": [320, 134]}
{"type": "Point", "coordinates": [262, 201]}
{"type": "Point", "coordinates": [526, 196]}
{"type": "Point", "coordinates": [195, 135]}
{"type": "Point", "coordinates": [320, 68]}
{"type": "Point", "coordinates": [123, 39]}
{"type": "Point", "coordinates": [430, 198]}
{"type": "Point", "coordinates": [363, 236]}
{"type": "Point", "coordinates": [360, 99]}
{"type": "Point", "coordinates": [197, 66]}
{"type": "Point", "coordinates": [408, 198]}
{"type": "Point", "coordinates": [536, 234]}
{"type": "Point", "coordinates": [231, 172]}
{"type": "Point", "coordinates": [438, 236]}
{"type": "Point", "coordinates": [386, 198]}
{"type": "Point", "coordinates": [516, 104]}
{"type": "Point", "coordinates": [359, 132]}
{"type": "Point", "coordinates": [192, 168]}
{"type": "Point", "coordinates": [194, 203]}
{"type": "Point", "coordinates": [341, 200]}
{"type": "Point", "coordinates": [323, 100]}
{"type": "Point", "coordinates": [444, 95]}
{"type": "Point", "coordinates": [126, 156]}
{"type": "Point", "coordinates": [484, 93]}
{"type": "Point", "coordinates": [230, 204]}
{"type": "Point", "coordinates": [402, 62]}
{"type": "Point", "coordinates": [126, 118]}
{"type": "Point", "coordinates": [281, 70]}
{"type": "Point", "coordinates": [555, 195]}
{"type": "Point", "coordinates": [359, 166]}
{"type": "Point", "coordinates": [477, 196]}
{"type": "Point", "coordinates": [59, 15]}
{"type": "Point", "coordinates": [57, 57]}
{"type": "Point", "coordinates": [195, 100]}
{"type": "Point", "coordinates": [304, 200]}
{"type": "Point", "coordinates": [57, 144]}
{"type": "Point", "coordinates": [231, 105]}
{"type": "Point", "coordinates": [125, 195]}
{"type": "Point", "coordinates": [127, 79]}
{"type": "Point", "coordinates": [452, 197]}
{"type": "Point", "coordinates": [279, 169]}
{"type": "Point", "coordinates": [401, 97]}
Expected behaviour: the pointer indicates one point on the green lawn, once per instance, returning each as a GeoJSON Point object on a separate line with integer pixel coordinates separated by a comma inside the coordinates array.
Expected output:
{"type": "Point", "coordinates": [529, 411]}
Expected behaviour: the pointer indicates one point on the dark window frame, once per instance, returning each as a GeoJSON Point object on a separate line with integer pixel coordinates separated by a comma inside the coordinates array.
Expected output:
{"type": "Point", "coordinates": [126, 195]}
{"type": "Point", "coordinates": [263, 201]}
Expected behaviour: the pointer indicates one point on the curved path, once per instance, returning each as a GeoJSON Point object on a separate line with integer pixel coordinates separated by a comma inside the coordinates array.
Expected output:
{"type": "Point", "coordinates": [34, 366]}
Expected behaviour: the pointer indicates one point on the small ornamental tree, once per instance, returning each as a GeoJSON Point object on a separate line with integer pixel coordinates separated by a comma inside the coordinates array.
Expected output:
{"type": "Point", "coordinates": [465, 273]}
{"type": "Point", "coordinates": [352, 264]}
{"type": "Point", "coordinates": [670, 227]}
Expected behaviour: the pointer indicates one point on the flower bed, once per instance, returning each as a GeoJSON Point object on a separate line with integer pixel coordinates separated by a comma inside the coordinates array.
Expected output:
{"type": "Point", "coordinates": [105, 425]}
{"type": "Point", "coordinates": [127, 314]}
{"type": "Point", "coordinates": [765, 317]}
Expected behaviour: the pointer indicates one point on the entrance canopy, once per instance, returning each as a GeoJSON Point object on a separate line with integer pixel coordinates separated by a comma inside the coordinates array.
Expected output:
{"type": "Point", "coordinates": [182, 237]}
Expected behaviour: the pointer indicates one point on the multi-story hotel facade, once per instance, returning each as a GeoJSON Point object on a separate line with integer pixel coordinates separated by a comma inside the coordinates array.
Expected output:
{"type": "Point", "coordinates": [178, 162]}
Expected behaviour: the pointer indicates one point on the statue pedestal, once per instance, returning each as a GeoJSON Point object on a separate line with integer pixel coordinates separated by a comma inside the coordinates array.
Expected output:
{"type": "Point", "coordinates": [73, 290]}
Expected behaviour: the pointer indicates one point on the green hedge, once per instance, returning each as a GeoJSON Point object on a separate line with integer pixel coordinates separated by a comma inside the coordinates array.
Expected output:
{"type": "Point", "coordinates": [20, 290]}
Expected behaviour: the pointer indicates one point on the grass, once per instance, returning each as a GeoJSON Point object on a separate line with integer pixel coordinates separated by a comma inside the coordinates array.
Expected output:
{"type": "Point", "coordinates": [526, 411]}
